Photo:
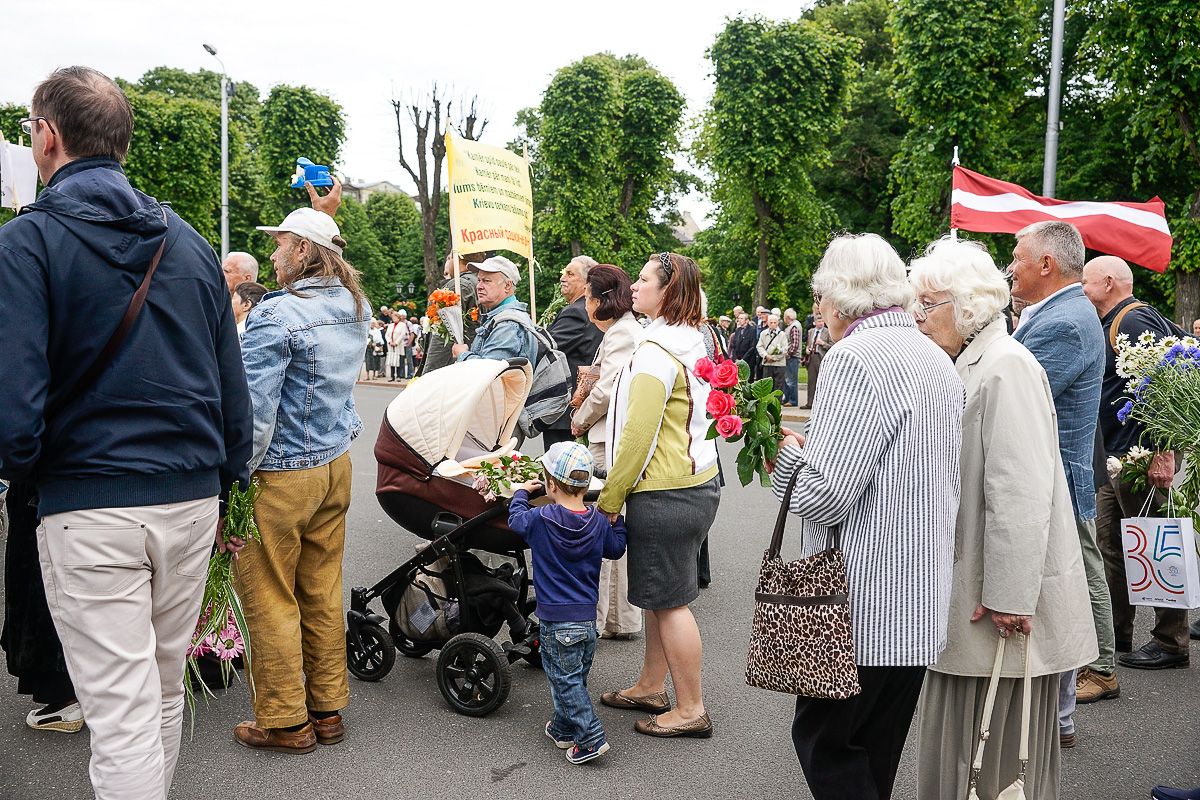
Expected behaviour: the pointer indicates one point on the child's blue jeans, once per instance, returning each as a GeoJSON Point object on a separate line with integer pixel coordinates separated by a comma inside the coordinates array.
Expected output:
{"type": "Point", "coordinates": [567, 651]}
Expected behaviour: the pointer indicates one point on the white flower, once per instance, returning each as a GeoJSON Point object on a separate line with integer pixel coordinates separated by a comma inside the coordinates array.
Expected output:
{"type": "Point", "coordinates": [1147, 338]}
{"type": "Point", "coordinates": [1137, 453]}
{"type": "Point", "coordinates": [1114, 467]}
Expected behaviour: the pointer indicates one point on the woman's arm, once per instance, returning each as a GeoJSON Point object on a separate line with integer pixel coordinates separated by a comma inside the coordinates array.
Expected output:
{"type": "Point", "coordinates": [843, 445]}
{"type": "Point", "coordinates": [1020, 466]}
{"type": "Point", "coordinates": [615, 351]}
{"type": "Point", "coordinates": [647, 404]}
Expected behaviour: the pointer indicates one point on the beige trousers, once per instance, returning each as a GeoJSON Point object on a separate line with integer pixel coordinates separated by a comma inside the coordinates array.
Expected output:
{"type": "Point", "coordinates": [290, 585]}
{"type": "Point", "coordinates": [124, 588]}
{"type": "Point", "coordinates": [614, 613]}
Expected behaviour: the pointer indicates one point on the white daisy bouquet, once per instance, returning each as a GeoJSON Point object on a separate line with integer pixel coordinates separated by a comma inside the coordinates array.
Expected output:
{"type": "Point", "coordinates": [1164, 380]}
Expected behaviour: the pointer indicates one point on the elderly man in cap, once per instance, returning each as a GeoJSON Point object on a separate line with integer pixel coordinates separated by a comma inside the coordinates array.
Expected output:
{"type": "Point", "coordinates": [302, 351]}
{"type": "Point", "coordinates": [505, 328]}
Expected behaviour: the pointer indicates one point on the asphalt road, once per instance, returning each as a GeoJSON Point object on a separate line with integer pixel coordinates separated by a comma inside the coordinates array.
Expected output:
{"type": "Point", "coordinates": [403, 740]}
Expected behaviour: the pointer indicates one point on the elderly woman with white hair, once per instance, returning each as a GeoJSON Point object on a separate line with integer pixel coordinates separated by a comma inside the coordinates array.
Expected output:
{"type": "Point", "coordinates": [1017, 562]}
{"type": "Point", "coordinates": [880, 464]}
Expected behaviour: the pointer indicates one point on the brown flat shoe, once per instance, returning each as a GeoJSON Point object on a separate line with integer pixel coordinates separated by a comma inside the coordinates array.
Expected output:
{"type": "Point", "coordinates": [329, 730]}
{"type": "Point", "coordinates": [248, 734]}
{"type": "Point", "coordinates": [699, 728]}
{"type": "Point", "coordinates": [657, 703]}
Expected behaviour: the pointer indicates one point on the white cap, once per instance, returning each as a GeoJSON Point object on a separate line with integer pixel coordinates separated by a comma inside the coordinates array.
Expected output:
{"type": "Point", "coordinates": [724, 319]}
{"type": "Point", "coordinates": [311, 224]}
{"type": "Point", "coordinates": [499, 264]}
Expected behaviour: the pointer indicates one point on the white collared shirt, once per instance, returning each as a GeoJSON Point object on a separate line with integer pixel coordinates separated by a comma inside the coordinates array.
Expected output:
{"type": "Point", "coordinates": [1029, 311]}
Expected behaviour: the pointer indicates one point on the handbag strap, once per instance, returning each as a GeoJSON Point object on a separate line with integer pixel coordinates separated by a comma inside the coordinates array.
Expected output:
{"type": "Point", "coordinates": [115, 341]}
{"type": "Point", "coordinates": [989, 705]}
{"type": "Point", "coordinates": [833, 540]}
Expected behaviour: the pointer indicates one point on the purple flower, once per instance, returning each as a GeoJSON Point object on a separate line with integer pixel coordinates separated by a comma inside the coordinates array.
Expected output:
{"type": "Point", "coordinates": [1123, 413]}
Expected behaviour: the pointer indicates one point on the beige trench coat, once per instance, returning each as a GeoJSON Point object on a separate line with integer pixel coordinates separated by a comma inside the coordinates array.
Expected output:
{"type": "Point", "coordinates": [616, 348]}
{"type": "Point", "coordinates": [1016, 548]}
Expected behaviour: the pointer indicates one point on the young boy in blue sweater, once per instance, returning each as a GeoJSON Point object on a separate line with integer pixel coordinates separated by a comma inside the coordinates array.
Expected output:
{"type": "Point", "coordinates": [568, 539]}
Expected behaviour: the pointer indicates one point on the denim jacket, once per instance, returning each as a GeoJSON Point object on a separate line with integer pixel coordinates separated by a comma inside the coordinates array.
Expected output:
{"type": "Point", "coordinates": [302, 356]}
{"type": "Point", "coordinates": [505, 339]}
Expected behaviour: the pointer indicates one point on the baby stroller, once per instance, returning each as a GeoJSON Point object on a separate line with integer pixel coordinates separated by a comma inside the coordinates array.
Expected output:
{"type": "Point", "coordinates": [472, 577]}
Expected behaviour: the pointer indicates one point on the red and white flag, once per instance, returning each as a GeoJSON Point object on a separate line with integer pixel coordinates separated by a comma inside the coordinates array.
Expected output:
{"type": "Point", "coordinates": [1136, 232]}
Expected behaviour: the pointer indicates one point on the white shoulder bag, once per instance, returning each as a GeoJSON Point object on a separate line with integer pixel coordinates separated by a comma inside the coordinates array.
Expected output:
{"type": "Point", "coordinates": [1017, 790]}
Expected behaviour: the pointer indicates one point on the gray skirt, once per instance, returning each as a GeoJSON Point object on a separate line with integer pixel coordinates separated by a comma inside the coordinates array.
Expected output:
{"type": "Point", "coordinates": [948, 719]}
{"type": "Point", "coordinates": [665, 532]}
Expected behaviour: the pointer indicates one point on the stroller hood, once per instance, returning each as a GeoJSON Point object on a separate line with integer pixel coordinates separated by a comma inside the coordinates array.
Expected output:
{"type": "Point", "coordinates": [477, 400]}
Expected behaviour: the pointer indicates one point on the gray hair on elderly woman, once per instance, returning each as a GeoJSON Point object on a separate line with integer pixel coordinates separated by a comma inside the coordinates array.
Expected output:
{"type": "Point", "coordinates": [966, 271]}
{"type": "Point", "coordinates": [860, 273]}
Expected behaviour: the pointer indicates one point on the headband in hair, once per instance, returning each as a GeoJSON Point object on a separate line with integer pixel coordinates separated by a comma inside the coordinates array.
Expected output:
{"type": "Point", "coordinates": [665, 260]}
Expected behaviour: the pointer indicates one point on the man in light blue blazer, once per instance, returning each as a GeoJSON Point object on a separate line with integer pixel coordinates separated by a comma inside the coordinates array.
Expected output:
{"type": "Point", "coordinates": [1059, 326]}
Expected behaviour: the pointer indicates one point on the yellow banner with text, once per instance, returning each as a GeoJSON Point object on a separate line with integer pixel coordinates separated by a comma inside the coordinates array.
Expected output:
{"type": "Point", "coordinates": [491, 201]}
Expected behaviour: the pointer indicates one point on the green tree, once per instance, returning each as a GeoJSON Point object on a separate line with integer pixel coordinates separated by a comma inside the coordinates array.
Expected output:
{"type": "Point", "coordinates": [963, 71]}
{"type": "Point", "coordinates": [855, 184]}
{"type": "Point", "coordinates": [1149, 55]}
{"type": "Point", "coordinates": [396, 223]}
{"type": "Point", "coordinates": [295, 121]}
{"type": "Point", "coordinates": [780, 92]}
{"type": "Point", "coordinates": [171, 156]}
{"type": "Point", "coordinates": [605, 134]}
{"type": "Point", "coordinates": [365, 253]}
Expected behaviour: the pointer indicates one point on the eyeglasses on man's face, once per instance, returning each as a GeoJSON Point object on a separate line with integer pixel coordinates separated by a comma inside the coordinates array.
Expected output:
{"type": "Point", "coordinates": [27, 124]}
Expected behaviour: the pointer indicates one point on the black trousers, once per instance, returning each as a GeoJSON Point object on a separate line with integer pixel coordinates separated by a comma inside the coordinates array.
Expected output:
{"type": "Point", "coordinates": [556, 435]}
{"type": "Point", "coordinates": [851, 748]}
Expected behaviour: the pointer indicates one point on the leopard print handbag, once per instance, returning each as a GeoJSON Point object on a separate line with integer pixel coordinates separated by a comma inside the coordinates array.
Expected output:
{"type": "Point", "coordinates": [801, 641]}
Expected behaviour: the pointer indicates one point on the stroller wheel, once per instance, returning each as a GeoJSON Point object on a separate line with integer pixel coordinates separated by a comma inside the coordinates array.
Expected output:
{"type": "Point", "coordinates": [473, 674]}
{"type": "Point", "coordinates": [377, 656]}
{"type": "Point", "coordinates": [406, 646]}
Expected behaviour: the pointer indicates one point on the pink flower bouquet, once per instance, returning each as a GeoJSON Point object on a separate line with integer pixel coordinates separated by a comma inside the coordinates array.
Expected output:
{"type": "Point", "coordinates": [743, 410]}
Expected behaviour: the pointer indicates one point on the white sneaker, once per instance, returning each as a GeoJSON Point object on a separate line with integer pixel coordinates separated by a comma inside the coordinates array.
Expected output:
{"type": "Point", "coordinates": [66, 720]}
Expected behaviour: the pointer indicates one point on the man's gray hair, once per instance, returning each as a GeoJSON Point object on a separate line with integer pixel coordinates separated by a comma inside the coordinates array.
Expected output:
{"type": "Point", "coordinates": [247, 263]}
{"type": "Point", "coordinates": [584, 263]}
{"type": "Point", "coordinates": [789, 313]}
{"type": "Point", "coordinates": [861, 273]}
{"type": "Point", "coordinates": [1059, 240]}
{"type": "Point", "coordinates": [966, 271]}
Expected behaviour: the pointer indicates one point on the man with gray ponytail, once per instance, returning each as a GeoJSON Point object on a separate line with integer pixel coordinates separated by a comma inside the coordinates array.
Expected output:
{"type": "Point", "coordinates": [302, 350]}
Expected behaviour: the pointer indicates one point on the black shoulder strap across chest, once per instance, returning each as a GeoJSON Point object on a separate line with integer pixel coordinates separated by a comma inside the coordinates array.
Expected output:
{"type": "Point", "coordinates": [109, 351]}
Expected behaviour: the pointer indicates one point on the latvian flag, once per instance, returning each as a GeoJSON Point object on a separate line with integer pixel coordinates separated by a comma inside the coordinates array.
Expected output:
{"type": "Point", "coordinates": [1136, 232]}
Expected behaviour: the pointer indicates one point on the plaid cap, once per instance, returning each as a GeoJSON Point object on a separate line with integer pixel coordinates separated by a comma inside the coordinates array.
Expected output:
{"type": "Point", "coordinates": [563, 458]}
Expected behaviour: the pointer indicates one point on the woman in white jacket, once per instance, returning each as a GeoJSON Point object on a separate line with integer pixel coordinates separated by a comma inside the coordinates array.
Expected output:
{"type": "Point", "coordinates": [610, 308]}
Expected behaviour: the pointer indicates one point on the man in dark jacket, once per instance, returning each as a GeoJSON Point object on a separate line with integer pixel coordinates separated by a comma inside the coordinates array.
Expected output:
{"type": "Point", "coordinates": [1108, 283]}
{"type": "Point", "coordinates": [743, 344]}
{"type": "Point", "coordinates": [129, 469]}
{"type": "Point", "coordinates": [576, 336]}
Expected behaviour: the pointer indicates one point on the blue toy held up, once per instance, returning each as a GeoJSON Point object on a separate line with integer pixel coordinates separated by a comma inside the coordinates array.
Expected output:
{"type": "Point", "coordinates": [312, 173]}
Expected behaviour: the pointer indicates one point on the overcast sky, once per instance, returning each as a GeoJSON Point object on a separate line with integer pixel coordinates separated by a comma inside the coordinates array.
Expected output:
{"type": "Point", "coordinates": [360, 52]}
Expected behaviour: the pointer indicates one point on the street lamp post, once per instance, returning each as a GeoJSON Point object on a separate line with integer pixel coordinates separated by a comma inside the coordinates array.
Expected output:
{"type": "Point", "coordinates": [212, 51]}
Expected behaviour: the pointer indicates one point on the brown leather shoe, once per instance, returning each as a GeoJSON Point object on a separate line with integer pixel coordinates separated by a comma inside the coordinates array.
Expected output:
{"type": "Point", "coordinates": [248, 734]}
{"type": "Point", "coordinates": [699, 728]}
{"type": "Point", "coordinates": [1091, 686]}
{"type": "Point", "coordinates": [329, 730]}
{"type": "Point", "coordinates": [657, 703]}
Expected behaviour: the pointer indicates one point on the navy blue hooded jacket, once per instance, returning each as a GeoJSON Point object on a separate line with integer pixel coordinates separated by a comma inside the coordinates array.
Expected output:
{"type": "Point", "coordinates": [169, 420]}
{"type": "Point", "coordinates": [567, 548]}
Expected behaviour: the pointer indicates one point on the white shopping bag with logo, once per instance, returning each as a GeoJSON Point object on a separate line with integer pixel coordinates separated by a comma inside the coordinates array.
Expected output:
{"type": "Point", "coordinates": [1161, 562]}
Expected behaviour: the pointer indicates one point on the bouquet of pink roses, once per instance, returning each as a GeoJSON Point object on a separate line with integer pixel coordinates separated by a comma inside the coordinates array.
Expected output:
{"type": "Point", "coordinates": [743, 410]}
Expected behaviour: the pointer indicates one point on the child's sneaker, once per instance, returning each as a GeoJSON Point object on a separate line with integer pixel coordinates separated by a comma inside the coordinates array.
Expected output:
{"type": "Point", "coordinates": [562, 744]}
{"type": "Point", "coordinates": [577, 755]}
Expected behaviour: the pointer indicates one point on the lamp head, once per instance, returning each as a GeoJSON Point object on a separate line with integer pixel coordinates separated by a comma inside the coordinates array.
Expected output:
{"type": "Point", "coordinates": [212, 51]}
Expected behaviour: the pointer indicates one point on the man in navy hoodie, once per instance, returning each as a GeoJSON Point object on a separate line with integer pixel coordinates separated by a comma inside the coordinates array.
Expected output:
{"type": "Point", "coordinates": [568, 541]}
{"type": "Point", "coordinates": [131, 467]}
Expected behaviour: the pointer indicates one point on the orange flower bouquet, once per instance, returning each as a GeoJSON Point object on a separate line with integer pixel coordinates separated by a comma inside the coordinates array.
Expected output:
{"type": "Point", "coordinates": [445, 315]}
